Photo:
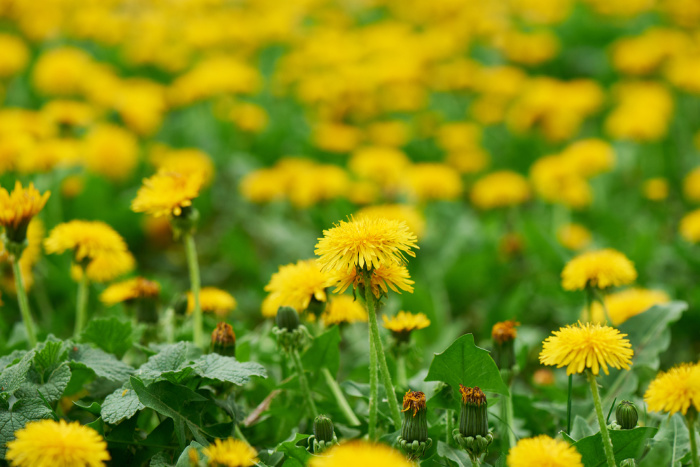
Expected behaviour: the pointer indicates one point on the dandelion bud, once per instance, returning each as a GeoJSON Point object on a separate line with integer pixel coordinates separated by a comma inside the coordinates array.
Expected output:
{"type": "Point", "coordinates": [414, 429]}
{"type": "Point", "coordinates": [626, 415]}
{"type": "Point", "coordinates": [287, 318]}
{"type": "Point", "coordinates": [473, 432]}
{"type": "Point", "coordinates": [291, 334]}
{"type": "Point", "coordinates": [185, 222]}
{"type": "Point", "coordinates": [324, 435]}
{"type": "Point", "coordinates": [503, 335]}
{"type": "Point", "coordinates": [223, 340]}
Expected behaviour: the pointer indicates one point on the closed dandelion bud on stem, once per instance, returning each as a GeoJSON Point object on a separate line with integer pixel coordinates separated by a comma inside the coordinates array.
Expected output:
{"type": "Point", "coordinates": [473, 433]}
{"type": "Point", "coordinates": [291, 334]}
{"type": "Point", "coordinates": [287, 318]}
{"type": "Point", "coordinates": [626, 415]}
{"type": "Point", "coordinates": [324, 435]}
{"type": "Point", "coordinates": [186, 221]}
{"type": "Point", "coordinates": [503, 335]}
{"type": "Point", "coordinates": [223, 340]}
{"type": "Point", "coordinates": [414, 428]}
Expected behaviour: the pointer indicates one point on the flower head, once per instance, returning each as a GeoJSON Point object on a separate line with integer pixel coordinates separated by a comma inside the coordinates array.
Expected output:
{"type": "Point", "coordinates": [297, 285]}
{"type": "Point", "coordinates": [18, 208]}
{"type": "Point", "coordinates": [500, 189]}
{"type": "Point", "coordinates": [543, 450]}
{"type": "Point", "coordinates": [504, 331]}
{"type": "Point", "coordinates": [623, 305]}
{"type": "Point", "coordinates": [213, 300]}
{"type": "Point", "coordinates": [367, 242]}
{"type": "Point", "coordinates": [130, 289]}
{"type": "Point", "coordinates": [230, 453]}
{"type": "Point", "coordinates": [676, 390]}
{"type": "Point", "coordinates": [690, 226]}
{"type": "Point", "coordinates": [601, 269]}
{"type": "Point", "coordinates": [166, 193]}
{"type": "Point", "coordinates": [344, 309]}
{"type": "Point", "coordinates": [404, 323]}
{"type": "Point", "coordinates": [413, 401]}
{"type": "Point", "coordinates": [400, 212]}
{"type": "Point", "coordinates": [574, 236]}
{"type": "Point", "coordinates": [361, 453]}
{"type": "Point", "coordinates": [587, 346]}
{"type": "Point", "coordinates": [48, 443]}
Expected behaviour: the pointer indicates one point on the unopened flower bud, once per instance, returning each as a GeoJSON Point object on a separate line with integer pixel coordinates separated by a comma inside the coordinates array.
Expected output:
{"type": "Point", "coordinates": [223, 340]}
{"type": "Point", "coordinates": [324, 435]}
{"type": "Point", "coordinates": [503, 335]}
{"type": "Point", "coordinates": [287, 318]}
{"type": "Point", "coordinates": [473, 432]}
{"type": "Point", "coordinates": [291, 334]}
{"type": "Point", "coordinates": [414, 429]}
{"type": "Point", "coordinates": [626, 415]}
{"type": "Point", "coordinates": [185, 222]}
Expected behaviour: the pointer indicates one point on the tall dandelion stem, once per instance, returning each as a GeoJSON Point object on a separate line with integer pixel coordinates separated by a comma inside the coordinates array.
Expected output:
{"type": "Point", "coordinates": [401, 377]}
{"type": "Point", "coordinates": [690, 418]}
{"type": "Point", "coordinates": [373, 389]}
{"type": "Point", "coordinates": [340, 399]}
{"type": "Point", "coordinates": [24, 303]}
{"type": "Point", "coordinates": [195, 285]}
{"type": "Point", "coordinates": [81, 305]}
{"type": "Point", "coordinates": [304, 383]}
{"type": "Point", "coordinates": [607, 444]}
{"type": "Point", "coordinates": [379, 352]}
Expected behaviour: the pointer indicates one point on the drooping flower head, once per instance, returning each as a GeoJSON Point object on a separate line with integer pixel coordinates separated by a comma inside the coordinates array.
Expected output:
{"type": "Point", "coordinates": [600, 269]}
{"type": "Point", "coordinates": [585, 346]}
{"type": "Point", "coordinates": [48, 443]}
{"type": "Point", "coordinates": [166, 193]}
{"type": "Point", "coordinates": [230, 453]}
{"type": "Point", "coordinates": [404, 323]}
{"type": "Point", "coordinates": [361, 453]}
{"type": "Point", "coordinates": [129, 290]}
{"type": "Point", "coordinates": [297, 285]}
{"type": "Point", "coordinates": [543, 450]}
{"type": "Point", "coordinates": [675, 390]}
{"type": "Point", "coordinates": [213, 300]}
{"type": "Point", "coordinates": [18, 208]}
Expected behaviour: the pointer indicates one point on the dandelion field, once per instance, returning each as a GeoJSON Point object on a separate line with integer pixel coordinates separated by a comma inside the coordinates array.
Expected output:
{"type": "Point", "coordinates": [338, 233]}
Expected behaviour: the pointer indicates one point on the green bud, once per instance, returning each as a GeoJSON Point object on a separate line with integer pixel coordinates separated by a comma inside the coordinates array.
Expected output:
{"type": "Point", "coordinates": [323, 428]}
{"type": "Point", "coordinates": [287, 318]}
{"type": "Point", "coordinates": [185, 222]}
{"type": "Point", "coordinates": [223, 340]}
{"type": "Point", "coordinates": [474, 415]}
{"type": "Point", "coordinates": [626, 415]}
{"type": "Point", "coordinates": [503, 335]}
{"type": "Point", "coordinates": [415, 423]}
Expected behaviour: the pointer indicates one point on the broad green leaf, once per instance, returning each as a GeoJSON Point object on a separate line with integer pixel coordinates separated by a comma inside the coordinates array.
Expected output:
{"type": "Point", "coordinates": [324, 352]}
{"type": "Point", "coordinates": [295, 456]}
{"type": "Point", "coordinates": [673, 432]}
{"type": "Point", "coordinates": [22, 412]}
{"type": "Point", "coordinates": [14, 357]}
{"type": "Point", "coordinates": [228, 369]}
{"type": "Point", "coordinates": [49, 355]}
{"type": "Point", "coordinates": [184, 459]}
{"type": "Point", "coordinates": [170, 360]}
{"type": "Point", "coordinates": [110, 334]}
{"type": "Point", "coordinates": [121, 404]}
{"type": "Point", "coordinates": [101, 363]}
{"type": "Point", "coordinates": [93, 408]}
{"type": "Point", "coordinates": [53, 387]}
{"type": "Point", "coordinates": [160, 460]}
{"type": "Point", "coordinates": [581, 428]}
{"type": "Point", "coordinates": [627, 444]}
{"type": "Point", "coordinates": [457, 456]}
{"type": "Point", "coordinates": [465, 363]}
{"type": "Point", "coordinates": [12, 378]}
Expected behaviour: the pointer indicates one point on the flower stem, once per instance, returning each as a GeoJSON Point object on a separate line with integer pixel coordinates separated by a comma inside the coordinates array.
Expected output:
{"type": "Point", "coordinates": [239, 434]}
{"type": "Point", "coordinates": [304, 383]}
{"type": "Point", "coordinates": [607, 444]}
{"type": "Point", "coordinates": [195, 285]}
{"type": "Point", "coordinates": [24, 303]}
{"type": "Point", "coordinates": [568, 404]}
{"type": "Point", "coordinates": [81, 306]}
{"type": "Point", "coordinates": [373, 389]}
{"type": "Point", "coordinates": [448, 426]}
{"type": "Point", "coordinates": [507, 413]}
{"type": "Point", "coordinates": [690, 420]}
{"type": "Point", "coordinates": [401, 378]}
{"type": "Point", "coordinates": [340, 398]}
{"type": "Point", "coordinates": [379, 350]}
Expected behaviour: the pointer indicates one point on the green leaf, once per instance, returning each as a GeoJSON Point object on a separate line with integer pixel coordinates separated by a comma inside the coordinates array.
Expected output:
{"type": "Point", "coordinates": [627, 444]}
{"type": "Point", "coordinates": [52, 389]}
{"type": "Point", "coordinates": [226, 369]}
{"type": "Point", "coordinates": [324, 352]}
{"type": "Point", "coordinates": [673, 432]}
{"type": "Point", "coordinates": [12, 377]}
{"type": "Point", "coordinates": [99, 362]}
{"type": "Point", "coordinates": [109, 334]}
{"type": "Point", "coordinates": [581, 428]}
{"type": "Point", "coordinates": [457, 456]}
{"type": "Point", "coordinates": [22, 412]}
{"type": "Point", "coordinates": [14, 357]}
{"type": "Point", "coordinates": [184, 459]}
{"type": "Point", "coordinates": [295, 456]}
{"type": "Point", "coordinates": [160, 460]}
{"type": "Point", "coordinates": [49, 355]}
{"type": "Point", "coordinates": [169, 361]}
{"type": "Point", "coordinates": [93, 408]}
{"type": "Point", "coordinates": [465, 363]}
{"type": "Point", "coordinates": [120, 405]}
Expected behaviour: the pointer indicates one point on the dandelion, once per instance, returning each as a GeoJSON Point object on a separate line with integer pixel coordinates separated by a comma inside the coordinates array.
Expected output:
{"type": "Point", "coordinates": [543, 450]}
{"type": "Point", "coordinates": [600, 269]}
{"type": "Point", "coordinates": [690, 226]}
{"type": "Point", "coordinates": [230, 453]}
{"type": "Point", "coordinates": [392, 277]}
{"type": "Point", "coordinates": [167, 193]}
{"type": "Point", "coordinates": [413, 439]}
{"type": "Point", "coordinates": [299, 285]}
{"type": "Point", "coordinates": [48, 443]}
{"type": "Point", "coordinates": [656, 189]}
{"type": "Point", "coordinates": [623, 305]}
{"type": "Point", "coordinates": [400, 212]}
{"type": "Point", "coordinates": [500, 189]}
{"type": "Point", "coordinates": [404, 323]}
{"type": "Point", "coordinates": [574, 236]}
{"type": "Point", "coordinates": [129, 290]}
{"type": "Point", "coordinates": [361, 453]}
{"type": "Point", "coordinates": [343, 309]}
{"type": "Point", "coordinates": [213, 300]}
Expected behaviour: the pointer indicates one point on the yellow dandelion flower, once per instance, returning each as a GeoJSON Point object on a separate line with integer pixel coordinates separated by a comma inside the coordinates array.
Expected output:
{"type": "Point", "coordinates": [67, 112]}
{"type": "Point", "coordinates": [18, 208]}
{"type": "Point", "coordinates": [110, 150]}
{"type": "Point", "coordinates": [48, 443]}
{"type": "Point", "coordinates": [383, 165]}
{"type": "Point", "coordinates": [391, 133]}
{"type": "Point", "coordinates": [574, 236]}
{"type": "Point", "coordinates": [400, 212]}
{"type": "Point", "coordinates": [690, 226]}
{"type": "Point", "coordinates": [589, 157]}
{"type": "Point", "coordinates": [467, 161]}
{"type": "Point", "coordinates": [167, 193]}
{"type": "Point", "coordinates": [230, 453]}
{"type": "Point", "coordinates": [691, 185]}
{"type": "Point", "coordinates": [385, 277]}
{"type": "Point", "coordinates": [336, 137]}
{"type": "Point", "coordinates": [601, 269]}
{"type": "Point", "coordinates": [543, 450]}
{"type": "Point", "coordinates": [297, 284]}
{"type": "Point", "coordinates": [213, 300]}
{"type": "Point", "coordinates": [30, 255]}
{"type": "Point", "coordinates": [655, 189]}
{"type": "Point", "coordinates": [587, 346]}
{"type": "Point", "coordinates": [130, 289]}
{"type": "Point", "coordinates": [344, 309]}
{"type": "Point", "coordinates": [249, 117]}
{"type": "Point", "coordinates": [367, 242]}
{"type": "Point", "coordinates": [15, 55]}
{"type": "Point", "coordinates": [106, 266]}
{"type": "Point", "coordinates": [183, 161]}
{"type": "Point", "coordinates": [623, 305]}
{"type": "Point", "coordinates": [405, 322]}
{"type": "Point", "coordinates": [361, 453]}
{"type": "Point", "coordinates": [500, 189]}
{"type": "Point", "coordinates": [675, 390]}
{"type": "Point", "coordinates": [432, 181]}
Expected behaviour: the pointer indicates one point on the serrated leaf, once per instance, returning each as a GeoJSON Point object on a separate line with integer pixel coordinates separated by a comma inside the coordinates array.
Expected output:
{"type": "Point", "coordinates": [15, 356]}
{"type": "Point", "coordinates": [627, 444]}
{"type": "Point", "coordinates": [296, 456]}
{"type": "Point", "coordinates": [465, 363]}
{"type": "Point", "coordinates": [48, 355]}
{"type": "Point", "coordinates": [324, 352]}
{"type": "Point", "coordinates": [109, 334]}
{"type": "Point", "coordinates": [168, 361]}
{"type": "Point", "coordinates": [12, 377]}
{"type": "Point", "coordinates": [120, 405]}
{"type": "Point", "coordinates": [53, 387]}
{"type": "Point", "coordinates": [22, 412]}
{"type": "Point", "coordinates": [99, 362]}
{"type": "Point", "coordinates": [227, 369]}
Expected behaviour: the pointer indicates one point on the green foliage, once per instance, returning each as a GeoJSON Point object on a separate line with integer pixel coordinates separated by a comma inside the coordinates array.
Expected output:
{"type": "Point", "coordinates": [627, 444]}
{"type": "Point", "coordinates": [109, 334]}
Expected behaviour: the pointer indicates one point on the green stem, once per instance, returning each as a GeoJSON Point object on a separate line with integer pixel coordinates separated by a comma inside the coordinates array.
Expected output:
{"type": "Point", "coordinates": [195, 285]}
{"type": "Point", "coordinates": [690, 420]}
{"type": "Point", "coordinates": [81, 307]}
{"type": "Point", "coordinates": [381, 357]}
{"type": "Point", "coordinates": [239, 434]}
{"type": "Point", "coordinates": [401, 378]}
{"type": "Point", "coordinates": [304, 383]}
{"type": "Point", "coordinates": [373, 389]}
{"type": "Point", "coordinates": [340, 399]}
{"type": "Point", "coordinates": [568, 404]}
{"type": "Point", "coordinates": [24, 303]}
{"type": "Point", "coordinates": [507, 414]}
{"type": "Point", "coordinates": [169, 325]}
{"type": "Point", "coordinates": [607, 444]}
{"type": "Point", "coordinates": [448, 426]}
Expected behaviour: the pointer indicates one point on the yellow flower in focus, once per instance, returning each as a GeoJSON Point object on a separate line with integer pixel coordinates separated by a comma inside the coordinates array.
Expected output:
{"type": "Point", "coordinates": [404, 322]}
{"type": "Point", "coordinates": [385, 277]}
{"type": "Point", "coordinates": [344, 309]}
{"type": "Point", "coordinates": [18, 208]}
{"type": "Point", "coordinates": [167, 193]}
{"type": "Point", "coordinates": [15, 55]}
{"type": "Point", "coordinates": [367, 243]}
{"type": "Point", "coordinates": [366, 454]}
{"type": "Point", "coordinates": [500, 189]}
{"type": "Point", "coordinates": [625, 304]}
{"type": "Point", "coordinates": [230, 453]}
{"type": "Point", "coordinates": [400, 212]}
{"type": "Point", "coordinates": [336, 137]}
{"type": "Point", "coordinates": [656, 189]}
{"type": "Point", "coordinates": [675, 390]}
{"type": "Point", "coordinates": [383, 165]}
{"type": "Point", "coordinates": [574, 236]}
{"type": "Point", "coordinates": [543, 451]}
{"type": "Point", "coordinates": [48, 443]}
{"type": "Point", "coordinates": [585, 346]}
{"type": "Point", "coordinates": [600, 269]}
{"type": "Point", "coordinates": [214, 300]}
{"type": "Point", "coordinates": [691, 185]}
{"type": "Point", "coordinates": [690, 226]}
{"type": "Point", "coordinates": [249, 117]}
{"type": "Point", "coordinates": [296, 285]}
{"type": "Point", "coordinates": [183, 161]}
{"type": "Point", "coordinates": [111, 151]}
{"type": "Point", "coordinates": [61, 71]}
{"type": "Point", "coordinates": [390, 133]}
{"type": "Point", "coordinates": [430, 181]}
{"type": "Point", "coordinates": [128, 290]}
{"type": "Point", "coordinates": [589, 157]}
